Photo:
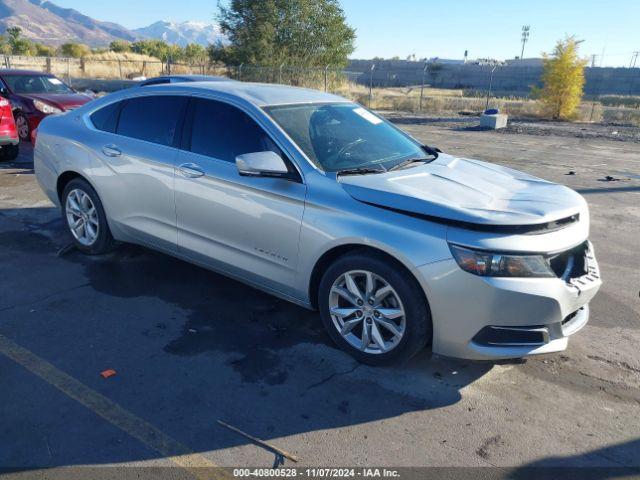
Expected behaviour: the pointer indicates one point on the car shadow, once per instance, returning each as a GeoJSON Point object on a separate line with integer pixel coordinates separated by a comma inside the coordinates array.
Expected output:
{"type": "Point", "coordinates": [24, 160]}
{"type": "Point", "coordinates": [604, 463]}
{"type": "Point", "coordinates": [195, 347]}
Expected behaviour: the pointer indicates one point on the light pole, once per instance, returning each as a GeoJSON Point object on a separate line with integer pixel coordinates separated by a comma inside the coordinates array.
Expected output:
{"type": "Point", "coordinates": [525, 38]}
{"type": "Point", "coordinates": [490, 84]}
{"type": "Point", "coordinates": [424, 73]}
{"type": "Point", "coordinates": [373, 66]}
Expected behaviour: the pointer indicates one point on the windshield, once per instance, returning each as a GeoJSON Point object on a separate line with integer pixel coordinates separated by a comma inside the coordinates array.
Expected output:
{"type": "Point", "coordinates": [340, 136]}
{"type": "Point", "coordinates": [35, 84]}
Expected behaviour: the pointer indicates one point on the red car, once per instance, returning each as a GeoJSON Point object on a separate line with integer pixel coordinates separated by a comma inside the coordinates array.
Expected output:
{"type": "Point", "coordinates": [8, 132]}
{"type": "Point", "coordinates": [34, 95]}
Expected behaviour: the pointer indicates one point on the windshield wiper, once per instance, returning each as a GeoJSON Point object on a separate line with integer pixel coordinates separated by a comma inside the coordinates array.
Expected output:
{"type": "Point", "coordinates": [409, 162]}
{"type": "Point", "coordinates": [359, 171]}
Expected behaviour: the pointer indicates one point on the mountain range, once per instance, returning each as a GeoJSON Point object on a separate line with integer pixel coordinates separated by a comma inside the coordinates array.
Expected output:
{"type": "Point", "coordinates": [182, 33]}
{"type": "Point", "coordinates": [48, 23]}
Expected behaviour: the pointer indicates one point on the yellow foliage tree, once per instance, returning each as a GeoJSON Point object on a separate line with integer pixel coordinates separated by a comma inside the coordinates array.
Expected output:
{"type": "Point", "coordinates": [563, 79]}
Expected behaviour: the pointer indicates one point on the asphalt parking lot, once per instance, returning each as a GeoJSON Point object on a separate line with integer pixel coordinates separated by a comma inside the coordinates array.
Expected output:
{"type": "Point", "coordinates": [191, 347]}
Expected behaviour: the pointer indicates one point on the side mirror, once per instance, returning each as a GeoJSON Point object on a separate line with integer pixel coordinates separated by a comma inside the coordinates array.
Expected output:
{"type": "Point", "coordinates": [261, 164]}
{"type": "Point", "coordinates": [3, 91]}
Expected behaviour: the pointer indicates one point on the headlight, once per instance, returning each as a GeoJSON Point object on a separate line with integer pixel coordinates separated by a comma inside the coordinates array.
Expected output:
{"type": "Point", "coordinates": [492, 264]}
{"type": "Point", "coordinates": [45, 107]}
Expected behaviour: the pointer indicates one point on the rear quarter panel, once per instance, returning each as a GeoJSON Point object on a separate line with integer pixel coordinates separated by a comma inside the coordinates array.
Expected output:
{"type": "Point", "coordinates": [58, 150]}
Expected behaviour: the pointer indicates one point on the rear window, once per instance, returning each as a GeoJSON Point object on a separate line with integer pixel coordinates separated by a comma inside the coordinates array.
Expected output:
{"type": "Point", "coordinates": [106, 118]}
{"type": "Point", "coordinates": [153, 119]}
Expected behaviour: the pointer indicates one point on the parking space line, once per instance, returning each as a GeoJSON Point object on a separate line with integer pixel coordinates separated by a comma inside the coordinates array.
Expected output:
{"type": "Point", "coordinates": [113, 413]}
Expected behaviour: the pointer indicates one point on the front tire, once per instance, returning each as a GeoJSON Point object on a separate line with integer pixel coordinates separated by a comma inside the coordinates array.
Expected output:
{"type": "Point", "coordinates": [22, 125]}
{"type": "Point", "coordinates": [374, 309]}
{"type": "Point", "coordinates": [85, 217]}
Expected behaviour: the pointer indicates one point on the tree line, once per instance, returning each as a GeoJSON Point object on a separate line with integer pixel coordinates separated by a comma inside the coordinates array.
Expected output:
{"type": "Point", "coordinates": [13, 43]}
{"type": "Point", "coordinates": [305, 33]}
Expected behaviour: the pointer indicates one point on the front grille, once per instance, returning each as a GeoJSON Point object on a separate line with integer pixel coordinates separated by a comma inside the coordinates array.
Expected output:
{"type": "Point", "coordinates": [570, 263]}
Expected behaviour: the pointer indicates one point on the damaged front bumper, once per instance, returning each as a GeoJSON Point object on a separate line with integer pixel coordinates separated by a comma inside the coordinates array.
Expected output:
{"type": "Point", "coordinates": [492, 318]}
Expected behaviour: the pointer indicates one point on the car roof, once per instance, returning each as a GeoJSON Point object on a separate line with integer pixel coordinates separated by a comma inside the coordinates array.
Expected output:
{"type": "Point", "coordinates": [15, 71]}
{"type": "Point", "coordinates": [186, 78]}
{"type": "Point", "coordinates": [259, 94]}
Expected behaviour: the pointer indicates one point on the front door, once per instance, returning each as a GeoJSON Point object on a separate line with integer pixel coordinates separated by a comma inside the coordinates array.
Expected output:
{"type": "Point", "coordinates": [246, 226]}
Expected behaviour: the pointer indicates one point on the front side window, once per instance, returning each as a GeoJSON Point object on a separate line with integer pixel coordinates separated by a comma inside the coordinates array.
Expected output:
{"type": "Point", "coordinates": [339, 136]}
{"type": "Point", "coordinates": [153, 119]}
{"type": "Point", "coordinates": [25, 84]}
{"type": "Point", "coordinates": [222, 131]}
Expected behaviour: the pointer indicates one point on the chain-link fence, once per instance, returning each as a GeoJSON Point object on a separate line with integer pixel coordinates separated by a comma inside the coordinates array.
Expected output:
{"type": "Point", "coordinates": [108, 69]}
{"type": "Point", "coordinates": [611, 95]}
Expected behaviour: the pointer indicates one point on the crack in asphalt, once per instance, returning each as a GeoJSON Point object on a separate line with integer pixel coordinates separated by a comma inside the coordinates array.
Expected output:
{"type": "Point", "coordinates": [614, 363]}
{"type": "Point", "coordinates": [46, 297]}
{"type": "Point", "coordinates": [332, 376]}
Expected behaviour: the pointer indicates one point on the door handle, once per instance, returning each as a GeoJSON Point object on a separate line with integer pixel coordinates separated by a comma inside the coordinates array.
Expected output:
{"type": "Point", "coordinates": [191, 170]}
{"type": "Point", "coordinates": [111, 151]}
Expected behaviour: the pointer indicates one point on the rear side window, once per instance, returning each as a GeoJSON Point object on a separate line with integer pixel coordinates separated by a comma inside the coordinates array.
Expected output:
{"type": "Point", "coordinates": [153, 119]}
{"type": "Point", "coordinates": [221, 131]}
{"type": "Point", "coordinates": [106, 118]}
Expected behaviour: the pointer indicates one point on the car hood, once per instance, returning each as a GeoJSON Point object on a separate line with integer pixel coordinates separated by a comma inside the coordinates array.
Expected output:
{"type": "Point", "coordinates": [63, 101]}
{"type": "Point", "coordinates": [465, 190]}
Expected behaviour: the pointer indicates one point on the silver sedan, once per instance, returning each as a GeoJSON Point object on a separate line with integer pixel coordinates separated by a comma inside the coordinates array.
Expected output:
{"type": "Point", "coordinates": [320, 201]}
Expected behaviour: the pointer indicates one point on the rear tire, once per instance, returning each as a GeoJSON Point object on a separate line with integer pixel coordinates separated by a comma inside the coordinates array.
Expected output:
{"type": "Point", "coordinates": [8, 153]}
{"type": "Point", "coordinates": [85, 218]}
{"type": "Point", "coordinates": [381, 298]}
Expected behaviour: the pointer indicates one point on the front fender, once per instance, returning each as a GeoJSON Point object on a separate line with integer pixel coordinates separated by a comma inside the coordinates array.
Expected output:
{"type": "Point", "coordinates": [410, 241]}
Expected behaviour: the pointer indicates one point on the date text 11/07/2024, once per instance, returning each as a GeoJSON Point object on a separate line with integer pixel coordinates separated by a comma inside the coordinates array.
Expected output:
{"type": "Point", "coordinates": [316, 472]}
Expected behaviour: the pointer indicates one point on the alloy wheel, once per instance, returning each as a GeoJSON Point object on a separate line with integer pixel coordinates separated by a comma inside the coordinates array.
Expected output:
{"type": "Point", "coordinates": [22, 127]}
{"type": "Point", "coordinates": [82, 217]}
{"type": "Point", "coordinates": [367, 311]}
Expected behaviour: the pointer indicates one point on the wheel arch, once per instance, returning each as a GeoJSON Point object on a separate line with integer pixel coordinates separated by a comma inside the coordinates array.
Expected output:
{"type": "Point", "coordinates": [331, 255]}
{"type": "Point", "coordinates": [64, 178]}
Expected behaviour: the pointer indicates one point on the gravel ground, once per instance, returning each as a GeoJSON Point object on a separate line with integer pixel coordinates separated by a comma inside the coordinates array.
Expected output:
{"type": "Point", "coordinates": [623, 133]}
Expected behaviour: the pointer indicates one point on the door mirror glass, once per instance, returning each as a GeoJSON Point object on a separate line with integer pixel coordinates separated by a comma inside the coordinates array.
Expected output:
{"type": "Point", "coordinates": [261, 164]}
{"type": "Point", "coordinates": [3, 91]}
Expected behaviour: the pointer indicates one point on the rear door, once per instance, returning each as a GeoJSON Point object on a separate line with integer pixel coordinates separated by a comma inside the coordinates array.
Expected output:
{"type": "Point", "coordinates": [140, 157]}
{"type": "Point", "coordinates": [247, 226]}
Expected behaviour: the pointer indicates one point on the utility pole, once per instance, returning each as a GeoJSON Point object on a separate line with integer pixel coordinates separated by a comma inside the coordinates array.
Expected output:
{"type": "Point", "coordinates": [634, 58]}
{"type": "Point", "coordinates": [593, 60]}
{"type": "Point", "coordinates": [525, 38]}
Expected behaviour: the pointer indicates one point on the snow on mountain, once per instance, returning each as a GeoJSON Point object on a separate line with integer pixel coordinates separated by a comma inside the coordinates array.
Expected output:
{"type": "Point", "coordinates": [182, 33]}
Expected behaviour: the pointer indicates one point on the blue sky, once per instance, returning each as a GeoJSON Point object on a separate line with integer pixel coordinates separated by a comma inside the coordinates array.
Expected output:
{"type": "Point", "coordinates": [428, 28]}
